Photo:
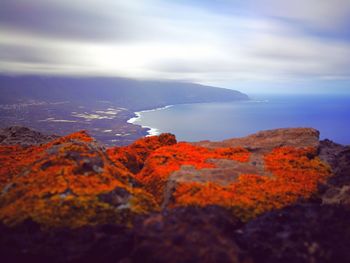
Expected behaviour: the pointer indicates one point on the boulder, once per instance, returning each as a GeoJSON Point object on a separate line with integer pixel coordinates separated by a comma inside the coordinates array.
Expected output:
{"type": "Point", "coordinates": [30, 242]}
{"type": "Point", "coordinates": [190, 234]}
{"type": "Point", "coordinates": [248, 178]}
{"type": "Point", "coordinates": [299, 233]}
{"type": "Point", "coordinates": [134, 155]}
{"type": "Point", "coordinates": [69, 181]}
{"type": "Point", "coordinates": [337, 189]}
{"type": "Point", "coordinates": [270, 139]}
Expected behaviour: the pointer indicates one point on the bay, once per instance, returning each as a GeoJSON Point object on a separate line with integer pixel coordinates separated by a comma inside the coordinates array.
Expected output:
{"type": "Point", "coordinates": [330, 114]}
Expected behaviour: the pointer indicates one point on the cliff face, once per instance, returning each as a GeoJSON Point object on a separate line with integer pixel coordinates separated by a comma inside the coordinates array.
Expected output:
{"type": "Point", "coordinates": [158, 194]}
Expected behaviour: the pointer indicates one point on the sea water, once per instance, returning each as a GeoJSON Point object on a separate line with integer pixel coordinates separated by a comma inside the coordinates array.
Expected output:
{"type": "Point", "coordinates": [330, 114]}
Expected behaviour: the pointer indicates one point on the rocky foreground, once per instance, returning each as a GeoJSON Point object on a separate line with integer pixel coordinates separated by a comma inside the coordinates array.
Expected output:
{"type": "Point", "coordinates": [275, 196]}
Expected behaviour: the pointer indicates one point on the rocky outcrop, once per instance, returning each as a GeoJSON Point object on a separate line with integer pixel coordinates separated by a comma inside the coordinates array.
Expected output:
{"type": "Point", "coordinates": [270, 139]}
{"type": "Point", "coordinates": [189, 234]}
{"type": "Point", "coordinates": [108, 186]}
{"type": "Point", "coordinates": [249, 175]}
{"type": "Point", "coordinates": [134, 156]}
{"type": "Point", "coordinates": [30, 242]}
{"type": "Point", "coordinates": [276, 196]}
{"type": "Point", "coordinates": [69, 181]}
{"type": "Point", "coordinates": [300, 233]}
{"type": "Point", "coordinates": [337, 188]}
{"type": "Point", "coordinates": [18, 135]}
{"type": "Point", "coordinates": [159, 172]}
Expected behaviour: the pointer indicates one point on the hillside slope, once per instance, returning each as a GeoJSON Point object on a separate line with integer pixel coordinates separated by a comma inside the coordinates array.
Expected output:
{"type": "Point", "coordinates": [128, 93]}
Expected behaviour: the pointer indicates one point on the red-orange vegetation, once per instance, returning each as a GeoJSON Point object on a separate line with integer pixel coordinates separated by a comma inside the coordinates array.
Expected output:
{"type": "Point", "coordinates": [14, 159]}
{"type": "Point", "coordinates": [162, 162]}
{"type": "Point", "coordinates": [296, 173]}
{"type": "Point", "coordinates": [134, 156]}
{"type": "Point", "coordinates": [10, 165]}
{"type": "Point", "coordinates": [81, 136]}
{"type": "Point", "coordinates": [72, 182]}
{"type": "Point", "coordinates": [69, 181]}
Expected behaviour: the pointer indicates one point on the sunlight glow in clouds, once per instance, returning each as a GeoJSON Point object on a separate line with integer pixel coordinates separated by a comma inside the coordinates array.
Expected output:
{"type": "Point", "coordinates": [226, 43]}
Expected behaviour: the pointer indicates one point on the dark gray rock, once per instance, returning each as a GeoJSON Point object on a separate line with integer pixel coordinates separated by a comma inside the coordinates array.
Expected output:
{"type": "Point", "coordinates": [188, 234]}
{"type": "Point", "coordinates": [300, 233]}
{"type": "Point", "coordinates": [28, 243]}
{"type": "Point", "coordinates": [337, 188]}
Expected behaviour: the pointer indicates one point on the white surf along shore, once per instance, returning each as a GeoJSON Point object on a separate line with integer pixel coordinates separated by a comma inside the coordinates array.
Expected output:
{"type": "Point", "coordinates": [151, 130]}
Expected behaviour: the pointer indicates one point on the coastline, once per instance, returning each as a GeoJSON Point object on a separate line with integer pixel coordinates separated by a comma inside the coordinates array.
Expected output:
{"type": "Point", "coordinates": [151, 131]}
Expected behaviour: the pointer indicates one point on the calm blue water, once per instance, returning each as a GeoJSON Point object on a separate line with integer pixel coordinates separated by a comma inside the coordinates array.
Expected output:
{"type": "Point", "coordinates": [218, 121]}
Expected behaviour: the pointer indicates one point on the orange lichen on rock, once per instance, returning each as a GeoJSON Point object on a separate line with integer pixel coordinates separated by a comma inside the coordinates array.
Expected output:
{"type": "Point", "coordinates": [134, 156]}
{"type": "Point", "coordinates": [68, 182]}
{"type": "Point", "coordinates": [72, 181]}
{"type": "Point", "coordinates": [162, 162]}
{"type": "Point", "coordinates": [10, 165]}
{"type": "Point", "coordinates": [296, 173]}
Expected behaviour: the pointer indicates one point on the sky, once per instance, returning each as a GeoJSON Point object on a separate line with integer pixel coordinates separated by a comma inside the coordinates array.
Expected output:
{"type": "Point", "coordinates": [256, 46]}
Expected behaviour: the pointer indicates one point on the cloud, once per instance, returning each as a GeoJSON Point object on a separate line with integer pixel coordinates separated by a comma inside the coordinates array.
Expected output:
{"type": "Point", "coordinates": [320, 14]}
{"type": "Point", "coordinates": [193, 41]}
{"type": "Point", "coordinates": [90, 20]}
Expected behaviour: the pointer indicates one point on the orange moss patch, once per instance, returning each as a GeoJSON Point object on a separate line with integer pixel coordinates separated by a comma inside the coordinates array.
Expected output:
{"type": "Point", "coordinates": [72, 182]}
{"type": "Point", "coordinates": [162, 162]}
{"type": "Point", "coordinates": [67, 182]}
{"type": "Point", "coordinates": [296, 173]}
{"type": "Point", "coordinates": [14, 158]}
{"type": "Point", "coordinates": [134, 156]}
{"type": "Point", "coordinates": [81, 136]}
{"type": "Point", "coordinates": [10, 163]}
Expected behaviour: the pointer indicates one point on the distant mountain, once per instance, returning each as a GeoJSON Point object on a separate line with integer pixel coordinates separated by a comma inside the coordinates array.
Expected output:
{"type": "Point", "coordinates": [128, 93]}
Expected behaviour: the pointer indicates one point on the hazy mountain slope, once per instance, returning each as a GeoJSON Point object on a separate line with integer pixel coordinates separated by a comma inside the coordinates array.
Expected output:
{"type": "Point", "coordinates": [132, 94]}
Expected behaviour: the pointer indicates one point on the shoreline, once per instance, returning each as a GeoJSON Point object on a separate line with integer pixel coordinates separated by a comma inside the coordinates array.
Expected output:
{"type": "Point", "coordinates": [151, 131]}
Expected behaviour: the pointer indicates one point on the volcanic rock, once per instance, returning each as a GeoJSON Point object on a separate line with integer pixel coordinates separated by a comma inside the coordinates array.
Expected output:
{"type": "Point", "coordinates": [134, 156]}
{"type": "Point", "coordinates": [251, 175]}
{"type": "Point", "coordinates": [300, 233]}
{"type": "Point", "coordinates": [337, 188]}
{"type": "Point", "coordinates": [190, 234]}
{"type": "Point", "coordinates": [276, 196]}
{"type": "Point", "coordinates": [69, 181]}
{"type": "Point", "coordinates": [270, 139]}
{"type": "Point", "coordinates": [29, 242]}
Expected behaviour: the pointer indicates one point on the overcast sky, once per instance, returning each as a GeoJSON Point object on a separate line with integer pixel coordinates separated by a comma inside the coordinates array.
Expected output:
{"type": "Point", "coordinates": [251, 45]}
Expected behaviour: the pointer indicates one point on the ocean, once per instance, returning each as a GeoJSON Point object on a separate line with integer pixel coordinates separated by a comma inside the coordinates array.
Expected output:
{"type": "Point", "coordinates": [330, 114]}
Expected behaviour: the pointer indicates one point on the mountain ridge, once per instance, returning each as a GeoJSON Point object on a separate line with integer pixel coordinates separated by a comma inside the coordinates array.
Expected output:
{"type": "Point", "coordinates": [100, 105]}
{"type": "Point", "coordinates": [129, 93]}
